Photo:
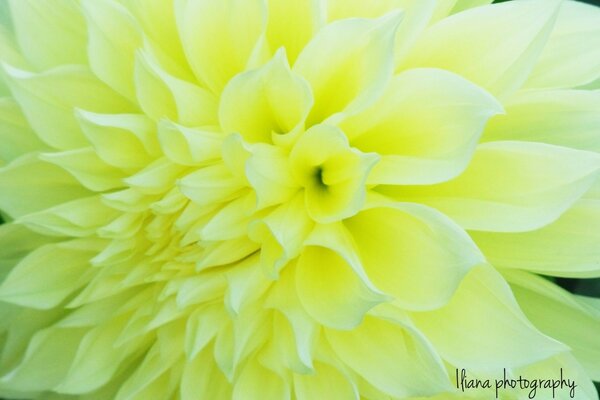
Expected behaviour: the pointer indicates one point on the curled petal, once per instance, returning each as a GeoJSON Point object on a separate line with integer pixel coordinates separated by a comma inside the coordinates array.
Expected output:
{"type": "Point", "coordinates": [228, 31]}
{"type": "Point", "coordinates": [483, 329]}
{"type": "Point", "coordinates": [569, 118]}
{"type": "Point", "coordinates": [114, 35]}
{"type": "Point", "coordinates": [48, 100]}
{"type": "Point", "coordinates": [36, 185]}
{"type": "Point", "coordinates": [348, 64]}
{"type": "Point", "coordinates": [456, 43]}
{"type": "Point", "coordinates": [50, 34]}
{"type": "Point", "coordinates": [162, 95]}
{"type": "Point", "coordinates": [413, 253]}
{"type": "Point", "coordinates": [571, 57]}
{"type": "Point", "coordinates": [544, 303]}
{"type": "Point", "coordinates": [425, 126]}
{"type": "Point", "coordinates": [58, 277]}
{"type": "Point", "coordinates": [534, 186]}
{"type": "Point", "coordinates": [391, 356]}
{"type": "Point", "coordinates": [269, 101]}
{"type": "Point", "coordinates": [567, 247]}
{"type": "Point", "coordinates": [16, 135]}
{"type": "Point", "coordinates": [293, 23]}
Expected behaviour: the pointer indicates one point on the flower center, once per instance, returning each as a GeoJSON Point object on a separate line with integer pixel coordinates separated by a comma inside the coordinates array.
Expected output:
{"type": "Point", "coordinates": [318, 176]}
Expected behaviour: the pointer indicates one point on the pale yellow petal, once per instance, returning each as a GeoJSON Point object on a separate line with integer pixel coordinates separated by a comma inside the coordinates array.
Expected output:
{"type": "Point", "coordinates": [348, 64]}
{"type": "Point", "coordinates": [29, 184]}
{"type": "Point", "coordinates": [425, 127]}
{"type": "Point", "coordinates": [16, 135]}
{"type": "Point", "coordinates": [162, 95]}
{"type": "Point", "coordinates": [293, 23]}
{"type": "Point", "coordinates": [226, 30]}
{"type": "Point", "coordinates": [49, 99]}
{"type": "Point", "coordinates": [511, 186]}
{"type": "Point", "coordinates": [89, 169]}
{"type": "Point", "coordinates": [482, 45]}
{"type": "Point", "coordinates": [114, 35]}
{"type": "Point", "coordinates": [568, 247]}
{"type": "Point", "coordinates": [483, 329]}
{"type": "Point", "coordinates": [50, 33]}
{"type": "Point", "coordinates": [327, 382]}
{"type": "Point", "coordinates": [189, 146]}
{"type": "Point", "coordinates": [56, 346]}
{"type": "Point", "coordinates": [330, 291]}
{"type": "Point", "coordinates": [568, 118]}
{"type": "Point", "coordinates": [413, 253]}
{"type": "Point", "coordinates": [60, 269]}
{"type": "Point", "coordinates": [269, 174]}
{"type": "Point", "coordinates": [271, 100]}
{"type": "Point", "coordinates": [545, 303]}
{"type": "Point", "coordinates": [393, 358]}
{"type": "Point", "coordinates": [123, 140]}
{"type": "Point", "coordinates": [571, 57]}
{"type": "Point", "coordinates": [202, 376]}
{"type": "Point", "coordinates": [281, 234]}
{"type": "Point", "coordinates": [258, 383]}
{"type": "Point", "coordinates": [16, 241]}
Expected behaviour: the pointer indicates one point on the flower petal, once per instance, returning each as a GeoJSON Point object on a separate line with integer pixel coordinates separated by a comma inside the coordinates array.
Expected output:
{"type": "Point", "coordinates": [570, 369]}
{"type": "Point", "coordinates": [48, 100]}
{"type": "Point", "coordinates": [114, 35]}
{"type": "Point", "coordinates": [568, 118]}
{"type": "Point", "coordinates": [425, 126]}
{"type": "Point", "coordinates": [123, 140]}
{"type": "Point", "coordinates": [157, 19]}
{"type": "Point", "coordinates": [393, 357]}
{"type": "Point", "coordinates": [227, 31]}
{"type": "Point", "coordinates": [51, 345]}
{"type": "Point", "coordinates": [330, 291]}
{"type": "Point", "coordinates": [545, 303]}
{"type": "Point", "coordinates": [16, 135]}
{"type": "Point", "coordinates": [510, 186]}
{"type": "Point", "coordinates": [332, 173]}
{"type": "Point", "coordinates": [413, 253]}
{"type": "Point", "coordinates": [60, 269]}
{"type": "Point", "coordinates": [258, 383]}
{"type": "Point", "coordinates": [29, 185]}
{"type": "Point", "coordinates": [162, 95]}
{"type": "Point", "coordinates": [283, 297]}
{"type": "Point", "coordinates": [269, 174]}
{"type": "Point", "coordinates": [281, 234]}
{"type": "Point", "coordinates": [458, 42]}
{"type": "Point", "coordinates": [567, 247]}
{"type": "Point", "coordinates": [327, 382]}
{"type": "Point", "coordinates": [50, 33]}
{"type": "Point", "coordinates": [293, 23]}
{"type": "Point", "coordinates": [572, 55]}
{"type": "Point", "coordinates": [89, 169]}
{"type": "Point", "coordinates": [202, 376]}
{"type": "Point", "coordinates": [77, 218]}
{"type": "Point", "coordinates": [16, 241]}
{"type": "Point", "coordinates": [271, 100]}
{"type": "Point", "coordinates": [416, 15]}
{"type": "Point", "coordinates": [461, 5]}
{"type": "Point", "coordinates": [210, 186]}
{"type": "Point", "coordinates": [97, 359]}
{"type": "Point", "coordinates": [483, 329]}
{"type": "Point", "coordinates": [189, 146]}
{"type": "Point", "coordinates": [348, 64]}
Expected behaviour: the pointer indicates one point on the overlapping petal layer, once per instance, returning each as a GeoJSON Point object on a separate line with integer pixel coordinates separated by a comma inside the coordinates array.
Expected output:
{"type": "Point", "coordinates": [307, 199]}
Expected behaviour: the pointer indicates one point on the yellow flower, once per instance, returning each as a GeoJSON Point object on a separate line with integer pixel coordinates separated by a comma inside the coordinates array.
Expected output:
{"type": "Point", "coordinates": [296, 199]}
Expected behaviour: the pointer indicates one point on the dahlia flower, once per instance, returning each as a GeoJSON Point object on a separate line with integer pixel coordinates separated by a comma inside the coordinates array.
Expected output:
{"type": "Point", "coordinates": [296, 199]}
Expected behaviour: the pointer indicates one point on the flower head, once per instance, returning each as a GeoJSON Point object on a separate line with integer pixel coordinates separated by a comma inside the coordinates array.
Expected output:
{"type": "Point", "coordinates": [273, 199]}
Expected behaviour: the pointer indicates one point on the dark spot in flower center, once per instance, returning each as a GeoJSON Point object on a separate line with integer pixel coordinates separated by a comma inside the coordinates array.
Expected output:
{"type": "Point", "coordinates": [318, 175]}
